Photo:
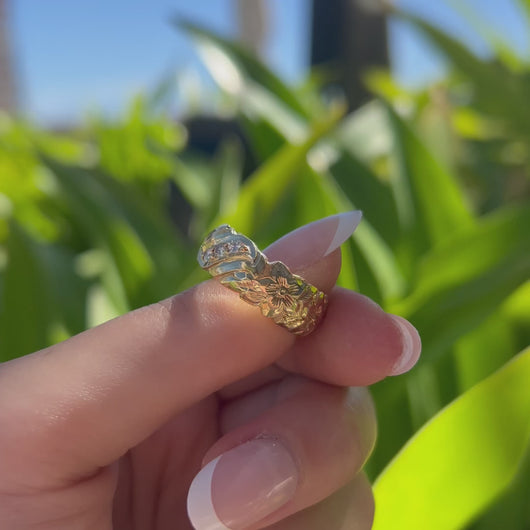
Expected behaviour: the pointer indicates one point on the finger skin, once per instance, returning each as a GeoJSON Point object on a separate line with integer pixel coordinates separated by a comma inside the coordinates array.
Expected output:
{"type": "Point", "coordinates": [329, 431]}
{"type": "Point", "coordinates": [84, 505]}
{"type": "Point", "coordinates": [83, 403]}
{"type": "Point", "coordinates": [86, 401]}
{"type": "Point", "coordinates": [78, 406]}
{"type": "Point", "coordinates": [350, 508]}
{"type": "Point", "coordinates": [357, 344]}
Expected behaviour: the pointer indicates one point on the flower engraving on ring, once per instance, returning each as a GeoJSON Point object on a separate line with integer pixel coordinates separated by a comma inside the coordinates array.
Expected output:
{"type": "Point", "coordinates": [284, 297]}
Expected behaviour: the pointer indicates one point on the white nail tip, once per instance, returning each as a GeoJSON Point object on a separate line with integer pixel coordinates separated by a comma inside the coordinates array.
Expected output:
{"type": "Point", "coordinates": [348, 222]}
{"type": "Point", "coordinates": [200, 506]}
{"type": "Point", "coordinates": [409, 355]}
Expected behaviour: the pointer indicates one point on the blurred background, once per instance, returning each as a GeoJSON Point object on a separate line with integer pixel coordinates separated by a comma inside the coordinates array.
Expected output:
{"type": "Point", "coordinates": [60, 60]}
{"type": "Point", "coordinates": [128, 130]}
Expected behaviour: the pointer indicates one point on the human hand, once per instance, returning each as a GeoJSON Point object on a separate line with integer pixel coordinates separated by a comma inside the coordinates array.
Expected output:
{"type": "Point", "coordinates": [109, 428]}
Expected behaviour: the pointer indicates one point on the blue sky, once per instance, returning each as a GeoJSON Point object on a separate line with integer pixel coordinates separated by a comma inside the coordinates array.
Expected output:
{"type": "Point", "coordinates": [96, 54]}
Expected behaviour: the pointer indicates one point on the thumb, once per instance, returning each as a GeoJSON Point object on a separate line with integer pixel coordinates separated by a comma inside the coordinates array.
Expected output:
{"type": "Point", "coordinates": [91, 398]}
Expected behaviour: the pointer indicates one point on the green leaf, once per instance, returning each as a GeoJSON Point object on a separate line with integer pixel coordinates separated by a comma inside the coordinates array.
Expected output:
{"type": "Point", "coordinates": [374, 197]}
{"type": "Point", "coordinates": [145, 253]}
{"type": "Point", "coordinates": [264, 137]}
{"type": "Point", "coordinates": [232, 66]}
{"type": "Point", "coordinates": [395, 422]}
{"type": "Point", "coordinates": [229, 166]}
{"type": "Point", "coordinates": [379, 275]}
{"type": "Point", "coordinates": [497, 90]}
{"type": "Point", "coordinates": [217, 179]}
{"type": "Point", "coordinates": [517, 309]}
{"type": "Point", "coordinates": [103, 226]}
{"type": "Point", "coordinates": [319, 197]}
{"type": "Point", "coordinates": [264, 102]}
{"type": "Point", "coordinates": [495, 39]}
{"type": "Point", "coordinates": [192, 182]}
{"type": "Point", "coordinates": [42, 297]}
{"type": "Point", "coordinates": [464, 280]}
{"type": "Point", "coordinates": [23, 294]}
{"type": "Point", "coordinates": [257, 103]}
{"type": "Point", "coordinates": [365, 133]}
{"type": "Point", "coordinates": [381, 261]}
{"type": "Point", "coordinates": [483, 350]}
{"type": "Point", "coordinates": [264, 190]}
{"type": "Point", "coordinates": [525, 4]}
{"type": "Point", "coordinates": [468, 454]}
{"type": "Point", "coordinates": [129, 150]}
{"type": "Point", "coordinates": [431, 205]}
{"type": "Point", "coordinates": [512, 509]}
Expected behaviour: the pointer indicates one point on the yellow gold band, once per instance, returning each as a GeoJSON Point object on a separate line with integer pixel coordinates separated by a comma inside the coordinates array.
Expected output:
{"type": "Point", "coordinates": [238, 264]}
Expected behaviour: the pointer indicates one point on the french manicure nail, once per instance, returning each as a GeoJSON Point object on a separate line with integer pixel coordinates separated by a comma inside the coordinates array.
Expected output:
{"type": "Point", "coordinates": [242, 486]}
{"type": "Point", "coordinates": [411, 346]}
{"type": "Point", "coordinates": [316, 240]}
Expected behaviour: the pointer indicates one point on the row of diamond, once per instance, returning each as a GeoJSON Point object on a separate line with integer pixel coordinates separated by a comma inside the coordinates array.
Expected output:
{"type": "Point", "coordinates": [225, 250]}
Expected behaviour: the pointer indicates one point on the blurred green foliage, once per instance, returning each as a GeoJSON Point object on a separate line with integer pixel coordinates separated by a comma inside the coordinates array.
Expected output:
{"type": "Point", "coordinates": [443, 178]}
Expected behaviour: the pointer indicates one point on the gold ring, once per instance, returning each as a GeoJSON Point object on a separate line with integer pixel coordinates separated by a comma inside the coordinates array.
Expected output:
{"type": "Point", "coordinates": [238, 264]}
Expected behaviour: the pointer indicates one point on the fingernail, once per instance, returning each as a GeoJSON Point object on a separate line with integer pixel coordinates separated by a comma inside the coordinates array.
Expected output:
{"type": "Point", "coordinates": [314, 241]}
{"type": "Point", "coordinates": [411, 343]}
{"type": "Point", "coordinates": [361, 404]}
{"type": "Point", "coordinates": [242, 486]}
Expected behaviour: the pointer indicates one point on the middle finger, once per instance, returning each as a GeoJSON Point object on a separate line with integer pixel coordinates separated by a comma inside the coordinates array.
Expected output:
{"type": "Point", "coordinates": [357, 344]}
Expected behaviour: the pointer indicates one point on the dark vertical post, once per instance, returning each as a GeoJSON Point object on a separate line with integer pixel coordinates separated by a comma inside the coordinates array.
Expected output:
{"type": "Point", "coordinates": [349, 39]}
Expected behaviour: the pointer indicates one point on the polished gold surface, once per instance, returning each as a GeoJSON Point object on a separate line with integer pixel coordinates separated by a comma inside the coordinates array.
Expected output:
{"type": "Point", "coordinates": [286, 298]}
